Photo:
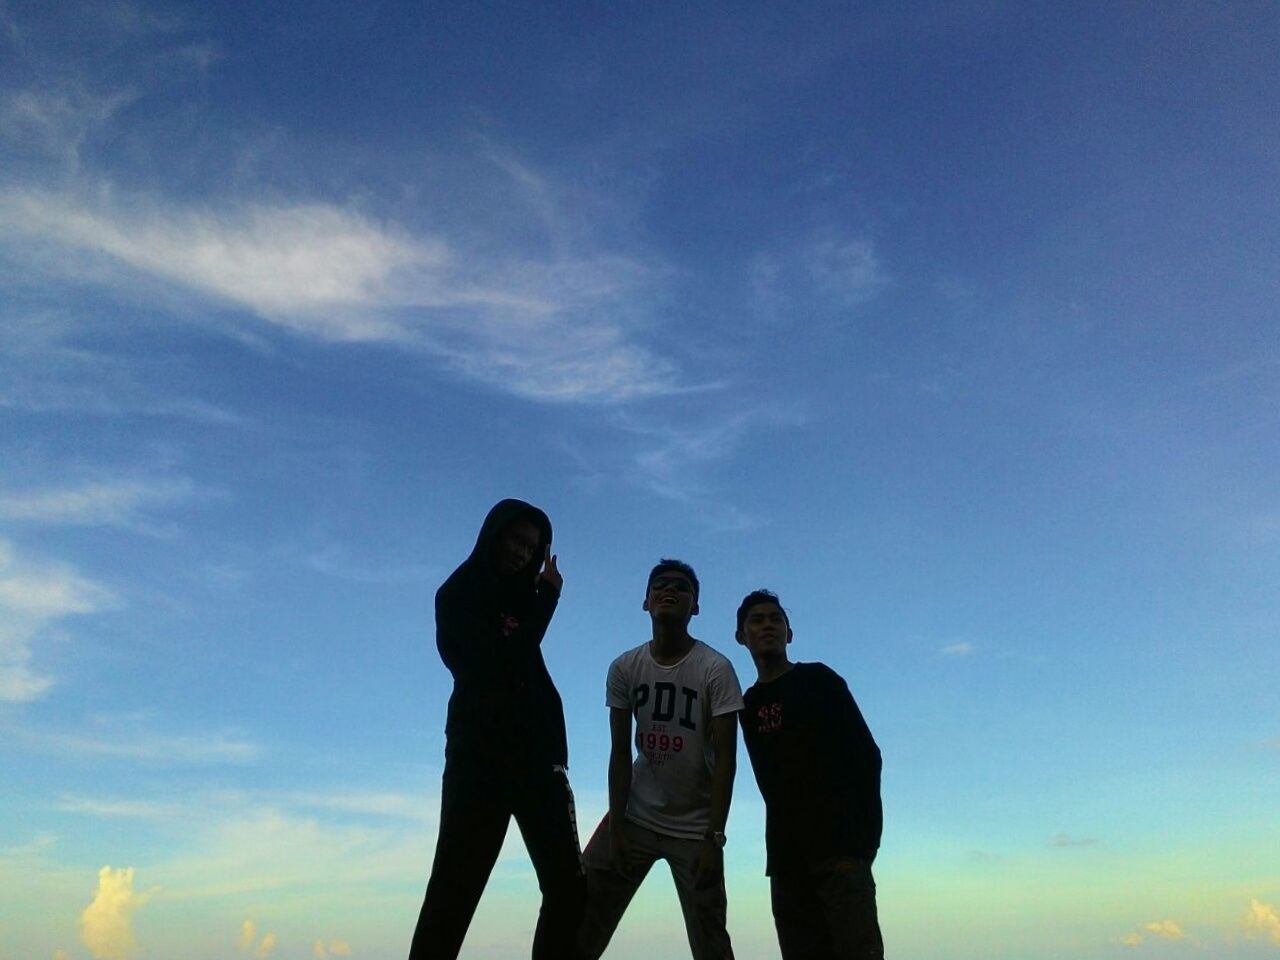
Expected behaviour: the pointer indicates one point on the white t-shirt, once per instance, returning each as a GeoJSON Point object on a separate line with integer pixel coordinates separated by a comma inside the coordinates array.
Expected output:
{"type": "Point", "coordinates": [673, 706]}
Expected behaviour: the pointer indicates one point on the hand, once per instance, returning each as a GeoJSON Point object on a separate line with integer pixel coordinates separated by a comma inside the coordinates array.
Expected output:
{"type": "Point", "coordinates": [708, 868]}
{"type": "Point", "coordinates": [619, 848]}
{"type": "Point", "coordinates": [550, 572]}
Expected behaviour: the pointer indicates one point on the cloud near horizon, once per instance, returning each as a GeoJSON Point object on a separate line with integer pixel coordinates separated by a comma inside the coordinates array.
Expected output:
{"type": "Point", "coordinates": [1262, 920]}
{"type": "Point", "coordinates": [106, 925]}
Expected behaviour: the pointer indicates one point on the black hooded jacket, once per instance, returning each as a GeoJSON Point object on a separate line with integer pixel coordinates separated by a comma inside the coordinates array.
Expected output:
{"type": "Point", "coordinates": [504, 711]}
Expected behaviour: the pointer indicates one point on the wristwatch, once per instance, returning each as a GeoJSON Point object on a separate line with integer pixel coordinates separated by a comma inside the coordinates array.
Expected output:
{"type": "Point", "coordinates": [716, 836]}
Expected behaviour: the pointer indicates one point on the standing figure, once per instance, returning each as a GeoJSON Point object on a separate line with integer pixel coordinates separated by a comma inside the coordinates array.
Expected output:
{"type": "Point", "coordinates": [818, 768]}
{"type": "Point", "coordinates": [505, 752]}
{"type": "Point", "coordinates": [672, 802]}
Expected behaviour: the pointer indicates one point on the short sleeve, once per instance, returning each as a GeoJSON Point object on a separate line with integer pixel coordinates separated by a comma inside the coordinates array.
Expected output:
{"type": "Point", "coordinates": [725, 693]}
{"type": "Point", "coordinates": [617, 689]}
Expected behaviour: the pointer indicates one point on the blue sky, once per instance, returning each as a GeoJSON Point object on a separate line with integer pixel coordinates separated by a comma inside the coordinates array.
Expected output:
{"type": "Point", "coordinates": [955, 324]}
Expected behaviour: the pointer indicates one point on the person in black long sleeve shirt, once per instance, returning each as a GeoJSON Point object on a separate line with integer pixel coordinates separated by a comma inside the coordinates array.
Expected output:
{"type": "Point", "coordinates": [818, 768]}
{"type": "Point", "coordinates": [505, 747]}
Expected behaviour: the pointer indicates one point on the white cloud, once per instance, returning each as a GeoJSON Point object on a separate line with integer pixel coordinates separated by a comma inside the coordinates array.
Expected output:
{"type": "Point", "coordinates": [106, 925]}
{"type": "Point", "coordinates": [962, 649]}
{"type": "Point", "coordinates": [1160, 929]}
{"type": "Point", "coordinates": [33, 597]}
{"type": "Point", "coordinates": [559, 328]}
{"type": "Point", "coordinates": [299, 264]}
{"type": "Point", "coordinates": [117, 503]}
{"type": "Point", "coordinates": [1262, 920]}
{"type": "Point", "coordinates": [128, 741]}
{"type": "Point", "coordinates": [248, 933]}
{"type": "Point", "coordinates": [266, 946]}
{"type": "Point", "coordinates": [335, 948]}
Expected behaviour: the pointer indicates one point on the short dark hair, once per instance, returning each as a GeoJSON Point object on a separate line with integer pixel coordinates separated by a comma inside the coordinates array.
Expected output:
{"type": "Point", "coordinates": [678, 566]}
{"type": "Point", "coordinates": [757, 597]}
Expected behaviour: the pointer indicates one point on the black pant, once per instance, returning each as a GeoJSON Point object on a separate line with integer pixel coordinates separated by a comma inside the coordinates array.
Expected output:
{"type": "Point", "coordinates": [827, 913]}
{"type": "Point", "coordinates": [475, 809]}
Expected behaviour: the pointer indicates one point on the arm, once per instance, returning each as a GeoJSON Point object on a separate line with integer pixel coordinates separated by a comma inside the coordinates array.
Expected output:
{"type": "Point", "coordinates": [724, 738]}
{"type": "Point", "coordinates": [471, 644]}
{"type": "Point", "coordinates": [619, 780]}
{"type": "Point", "coordinates": [856, 762]}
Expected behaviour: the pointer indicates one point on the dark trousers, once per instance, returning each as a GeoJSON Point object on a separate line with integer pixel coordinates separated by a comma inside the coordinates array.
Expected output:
{"type": "Point", "coordinates": [610, 891]}
{"type": "Point", "coordinates": [475, 810]}
{"type": "Point", "coordinates": [827, 913]}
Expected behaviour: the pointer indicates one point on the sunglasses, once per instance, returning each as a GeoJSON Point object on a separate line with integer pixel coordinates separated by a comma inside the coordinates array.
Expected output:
{"type": "Point", "coordinates": [678, 584]}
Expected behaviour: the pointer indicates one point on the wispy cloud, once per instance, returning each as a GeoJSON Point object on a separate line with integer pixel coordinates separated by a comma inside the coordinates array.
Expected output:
{"type": "Point", "coordinates": [306, 266]}
{"type": "Point", "coordinates": [551, 329]}
{"type": "Point", "coordinates": [116, 503]}
{"type": "Point", "coordinates": [675, 459]}
{"type": "Point", "coordinates": [1066, 841]}
{"type": "Point", "coordinates": [830, 268]}
{"type": "Point", "coordinates": [129, 809]}
{"type": "Point", "coordinates": [333, 561]}
{"type": "Point", "coordinates": [34, 596]}
{"type": "Point", "coordinates": [106, 925]}
{"type": "Point", "coordinates": [55, 123]}
{"type": "Point", "coordinates": [133, 738]}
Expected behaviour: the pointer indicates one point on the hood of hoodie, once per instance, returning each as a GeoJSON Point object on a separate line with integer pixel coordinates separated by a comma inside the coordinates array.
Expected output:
{"type": "Point", "coordinates": [479, 564]}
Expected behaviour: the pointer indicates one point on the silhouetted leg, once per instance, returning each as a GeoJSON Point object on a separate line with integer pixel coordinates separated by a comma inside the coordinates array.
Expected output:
{"type": "Point", "coordinates": [609, 891]}
{"type": "Point", "coordinates": [473, 823]}
{"type": "Point", "coordinates": [799, 918]}
{"type": "Point", "coordinates": [545, 813]}
{"type": "Point", "coordinates": [848, 898]}
{"type": "Point", "coordinates": [704, 905]}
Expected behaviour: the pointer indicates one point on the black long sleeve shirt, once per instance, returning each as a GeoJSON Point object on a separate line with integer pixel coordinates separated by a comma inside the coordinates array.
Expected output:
{"type": "Point", "coordinates": [818, 768]}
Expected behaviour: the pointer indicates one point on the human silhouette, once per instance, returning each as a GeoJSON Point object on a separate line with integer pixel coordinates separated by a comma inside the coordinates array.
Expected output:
{"type": "Point", "coordinates": [672, 802]}
{"type": "Point", "coordinates": [818, 768]}
{"type": "Point", "coordinates": [506, 753]}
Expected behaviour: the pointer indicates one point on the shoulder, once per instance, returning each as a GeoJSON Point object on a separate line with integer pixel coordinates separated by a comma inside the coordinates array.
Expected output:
{"type": "Point", "coordinates": [819, 674]}
{"type": "Point", "coordinates": [711, 658]}
{"type": "Point", "coordinates": [630, 660]}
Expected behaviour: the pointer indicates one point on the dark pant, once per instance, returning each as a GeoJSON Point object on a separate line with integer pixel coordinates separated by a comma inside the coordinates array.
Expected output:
{"type": "Point", "coordinates": [827, 913]}
{"type": "Point", "coordinates": [609, 891]}
{"type": "Point", "coordinates": [475, 809]}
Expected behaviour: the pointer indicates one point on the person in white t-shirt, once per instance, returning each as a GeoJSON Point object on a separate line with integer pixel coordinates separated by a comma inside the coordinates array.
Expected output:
{"type": "Point", "coordinates": [672, 802]}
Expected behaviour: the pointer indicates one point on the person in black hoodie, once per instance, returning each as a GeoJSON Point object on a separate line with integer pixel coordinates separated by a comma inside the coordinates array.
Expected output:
{"type": "Point", "coordinates": [505, 746]}
{"type": "Point", "coordinates": [818, 768]}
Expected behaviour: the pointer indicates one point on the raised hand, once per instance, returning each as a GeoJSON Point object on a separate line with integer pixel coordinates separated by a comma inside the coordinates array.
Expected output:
{"type": "Point", "coordinates": [550, 572]}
